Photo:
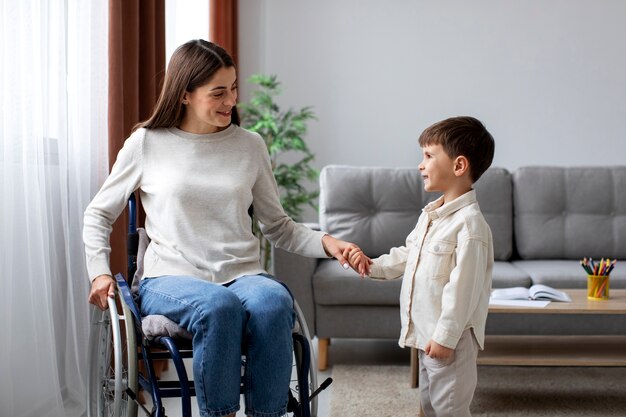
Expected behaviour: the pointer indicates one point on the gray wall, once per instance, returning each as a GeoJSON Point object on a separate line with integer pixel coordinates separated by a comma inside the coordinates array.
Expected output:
{"type": "Point", "coordinates": [547, 77]}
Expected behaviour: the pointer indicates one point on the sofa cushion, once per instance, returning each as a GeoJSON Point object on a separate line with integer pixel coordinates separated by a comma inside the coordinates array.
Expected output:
{"type": "Point", "coordinates": [494, 192]}
{"type": "Point", "coordinates": [570, 213]}
{"type": "Point", "coordinates": [507, 275]}
{"type": "Point", "coordinates": [333, 285]}
{"type": "Point", "coordinates": [376, 208]}
{"type": "Point", "coordinates": [564, 273]}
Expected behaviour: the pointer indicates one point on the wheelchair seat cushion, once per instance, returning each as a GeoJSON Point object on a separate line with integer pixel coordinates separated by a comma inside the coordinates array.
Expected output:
{"type": "Point", "coordinates": [155, 325]}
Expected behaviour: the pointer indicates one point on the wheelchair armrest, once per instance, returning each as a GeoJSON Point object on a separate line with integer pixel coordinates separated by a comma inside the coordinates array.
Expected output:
{"type": "Point", "coordinates": [297, 273]}
{"type": "Point", "coordinates": [127, 297]}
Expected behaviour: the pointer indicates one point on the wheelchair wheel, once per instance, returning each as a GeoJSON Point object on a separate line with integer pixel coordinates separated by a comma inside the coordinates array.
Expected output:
{"type": "Point", "coordinates": [299, 357]}
{"type": "Point", "coordinates": [113, 363]}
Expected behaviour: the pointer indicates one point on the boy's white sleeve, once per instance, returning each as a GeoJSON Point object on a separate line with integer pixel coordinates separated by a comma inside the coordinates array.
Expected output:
{"type": "Point", "coordinates": [462, 293]}
{"type": "Point", "coordinates": [392, 265]}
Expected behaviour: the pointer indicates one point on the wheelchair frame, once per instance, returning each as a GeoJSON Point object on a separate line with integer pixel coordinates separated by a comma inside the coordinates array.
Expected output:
{"type": "Point", "coordinates": [117, 343]}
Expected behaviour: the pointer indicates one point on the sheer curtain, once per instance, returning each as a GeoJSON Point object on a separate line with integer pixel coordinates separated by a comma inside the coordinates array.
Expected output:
{"type": "Point", "coordinates": [53, 156]}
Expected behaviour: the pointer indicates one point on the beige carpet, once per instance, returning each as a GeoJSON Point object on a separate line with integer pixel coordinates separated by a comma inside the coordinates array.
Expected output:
{"type": "Point", "coordinates": [380, 391]}
{"type": "Point", "coordinates": [383, 391]}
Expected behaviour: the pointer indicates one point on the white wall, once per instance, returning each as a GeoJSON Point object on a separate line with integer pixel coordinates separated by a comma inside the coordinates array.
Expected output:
{"type": "Point", "coordinates": [547, 77]}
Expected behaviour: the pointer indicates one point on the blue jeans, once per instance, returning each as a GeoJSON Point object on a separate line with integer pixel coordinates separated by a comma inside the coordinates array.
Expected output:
{"type": "Point", "coordinates": [252, 315]}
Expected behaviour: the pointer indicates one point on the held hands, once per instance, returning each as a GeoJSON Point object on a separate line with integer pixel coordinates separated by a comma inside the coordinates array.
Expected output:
{"type": "Point", "coordinates": [436, 351]}
{"type": "Point", "coordinates": [338, 249]}
{"type": "Point", "coordinates": [358, 261]}
{"type": "Point", "coordinates": [102, 288]}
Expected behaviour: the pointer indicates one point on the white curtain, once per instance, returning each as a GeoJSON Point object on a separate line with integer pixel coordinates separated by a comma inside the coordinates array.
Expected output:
{"type": "Point", "coordinates": [53, 138]}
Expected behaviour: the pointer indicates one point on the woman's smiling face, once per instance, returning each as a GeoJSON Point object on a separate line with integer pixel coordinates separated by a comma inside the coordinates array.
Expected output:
{"type": "Point", "coordinates": [208, 108]}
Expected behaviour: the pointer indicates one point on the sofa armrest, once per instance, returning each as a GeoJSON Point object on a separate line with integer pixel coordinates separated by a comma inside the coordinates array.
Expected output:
{"type": "Point", "coordinates": [313, 226]}
{"type": "Point", "coordinates": [297, 273]}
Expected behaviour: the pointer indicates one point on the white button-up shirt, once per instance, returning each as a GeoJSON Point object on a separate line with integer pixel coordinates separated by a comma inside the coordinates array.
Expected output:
{"type": "Point", "coordinates": [447, 264]}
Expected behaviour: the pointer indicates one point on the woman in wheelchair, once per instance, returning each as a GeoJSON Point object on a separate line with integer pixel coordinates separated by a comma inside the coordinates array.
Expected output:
{"type": "Point", "coordinates": [198, 173]}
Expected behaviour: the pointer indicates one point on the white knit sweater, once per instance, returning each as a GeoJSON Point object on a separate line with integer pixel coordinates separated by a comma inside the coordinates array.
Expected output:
{"type": "Point", "coordinates": [196, 191]}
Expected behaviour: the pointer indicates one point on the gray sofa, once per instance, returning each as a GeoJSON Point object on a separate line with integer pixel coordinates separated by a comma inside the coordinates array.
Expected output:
{"type": "Point", "coordinates": [543, 220]}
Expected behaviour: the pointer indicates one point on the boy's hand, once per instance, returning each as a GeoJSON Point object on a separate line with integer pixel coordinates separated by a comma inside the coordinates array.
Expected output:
{"type": "Point", "coordinates": [358, 261]}
{"type": "Point", "coordinates": [436, 351]}
{"type": "Point", "coordinates": [336, 248]}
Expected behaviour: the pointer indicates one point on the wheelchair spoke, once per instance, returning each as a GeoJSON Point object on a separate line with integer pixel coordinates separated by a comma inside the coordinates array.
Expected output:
{"type": "Point", "coordinates": [111, 373]}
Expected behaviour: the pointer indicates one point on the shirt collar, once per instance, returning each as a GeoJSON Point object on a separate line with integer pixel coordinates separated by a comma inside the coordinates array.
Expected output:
{"type": "Point", "coordinates": [437, 209]}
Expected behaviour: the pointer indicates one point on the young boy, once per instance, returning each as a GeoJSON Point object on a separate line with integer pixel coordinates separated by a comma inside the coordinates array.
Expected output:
{"type": "Point", "coordinates": [447, 263]}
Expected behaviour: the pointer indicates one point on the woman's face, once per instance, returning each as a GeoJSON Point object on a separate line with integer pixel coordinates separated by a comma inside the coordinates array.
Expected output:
{"type": "Point", "coordinates": [208, 108]}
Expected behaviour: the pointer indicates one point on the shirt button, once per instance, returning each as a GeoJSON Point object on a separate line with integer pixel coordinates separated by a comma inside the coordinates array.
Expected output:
{"type": "Point", "coordinates": [436, 248]}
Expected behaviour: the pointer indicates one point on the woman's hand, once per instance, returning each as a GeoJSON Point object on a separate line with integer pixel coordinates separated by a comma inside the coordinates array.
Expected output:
{"type": "Point", "coordinates": [102, 288]}
{"type": "Point", "coordinates": [336, 248]}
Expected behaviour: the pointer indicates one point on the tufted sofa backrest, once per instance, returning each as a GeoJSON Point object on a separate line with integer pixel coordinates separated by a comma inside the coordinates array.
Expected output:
{"type": "Point", "coordinates": [377, 208]}
{"type": "Point", "coordinates": [570, 213]}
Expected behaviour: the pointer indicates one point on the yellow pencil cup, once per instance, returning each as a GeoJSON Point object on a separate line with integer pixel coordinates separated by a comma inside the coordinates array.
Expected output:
{"type": "Point", "coordinates": [598, 287]}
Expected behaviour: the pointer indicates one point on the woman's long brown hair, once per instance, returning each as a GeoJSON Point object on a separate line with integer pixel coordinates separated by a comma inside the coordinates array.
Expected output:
{"type": "Point", "coordinates": [192, 65]}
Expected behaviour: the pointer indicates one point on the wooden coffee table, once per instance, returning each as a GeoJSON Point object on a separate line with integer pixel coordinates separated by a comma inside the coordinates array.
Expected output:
{"type": "Point", "coordinates": [554, 350]}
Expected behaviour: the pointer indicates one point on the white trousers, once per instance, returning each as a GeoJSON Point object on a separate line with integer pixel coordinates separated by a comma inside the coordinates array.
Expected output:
{"type": "Point", "coordinates": [447, 386]}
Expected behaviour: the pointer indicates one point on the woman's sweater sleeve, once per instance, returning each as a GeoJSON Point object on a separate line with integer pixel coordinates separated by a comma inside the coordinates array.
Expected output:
{"type": "Point", "coordinates": [276, 225]}
{"type": "Point", "coordinates": [109, 202]}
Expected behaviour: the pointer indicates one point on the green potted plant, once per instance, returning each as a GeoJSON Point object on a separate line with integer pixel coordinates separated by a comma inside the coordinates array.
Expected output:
{"type": "Point", "coordinates": [283, 132]}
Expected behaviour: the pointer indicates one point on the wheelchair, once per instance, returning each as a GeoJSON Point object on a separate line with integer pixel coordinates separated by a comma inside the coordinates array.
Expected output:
{"type": "Point", "coordinates": [117, 346]}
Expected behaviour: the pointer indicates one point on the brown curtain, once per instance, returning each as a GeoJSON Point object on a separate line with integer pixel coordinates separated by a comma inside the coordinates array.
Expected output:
{"type": "Point", "coordinates": [136, 71]}
{"type": "Point", "coordinates": [223, 25]}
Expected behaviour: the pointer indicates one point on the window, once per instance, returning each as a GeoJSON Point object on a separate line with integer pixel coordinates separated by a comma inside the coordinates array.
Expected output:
{"type": "Point", "coordinates": [185, 20]}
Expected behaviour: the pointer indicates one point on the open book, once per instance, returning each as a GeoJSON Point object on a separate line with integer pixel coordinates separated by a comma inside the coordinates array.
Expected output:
{"type": "Point", "coordinates": [536, 292]}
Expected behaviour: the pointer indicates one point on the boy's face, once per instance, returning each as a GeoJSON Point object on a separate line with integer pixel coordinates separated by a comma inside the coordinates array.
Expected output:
{"type": "Point", "coordinates": [437, 169]}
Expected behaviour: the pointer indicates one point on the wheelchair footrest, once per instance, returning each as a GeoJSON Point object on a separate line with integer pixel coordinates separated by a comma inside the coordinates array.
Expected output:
{"type": "Point", "coordinates": [170, 389]}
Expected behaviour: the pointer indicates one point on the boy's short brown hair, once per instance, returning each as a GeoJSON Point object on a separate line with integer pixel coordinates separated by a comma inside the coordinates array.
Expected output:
{"type": "Point", "coordinates": [462, 136]}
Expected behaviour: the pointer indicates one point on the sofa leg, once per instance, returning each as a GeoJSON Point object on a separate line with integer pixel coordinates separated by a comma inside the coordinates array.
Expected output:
{"type": "Point", "coordinates": [322, 354]}
{"type": "Point", "coordinates": [414, 368]}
